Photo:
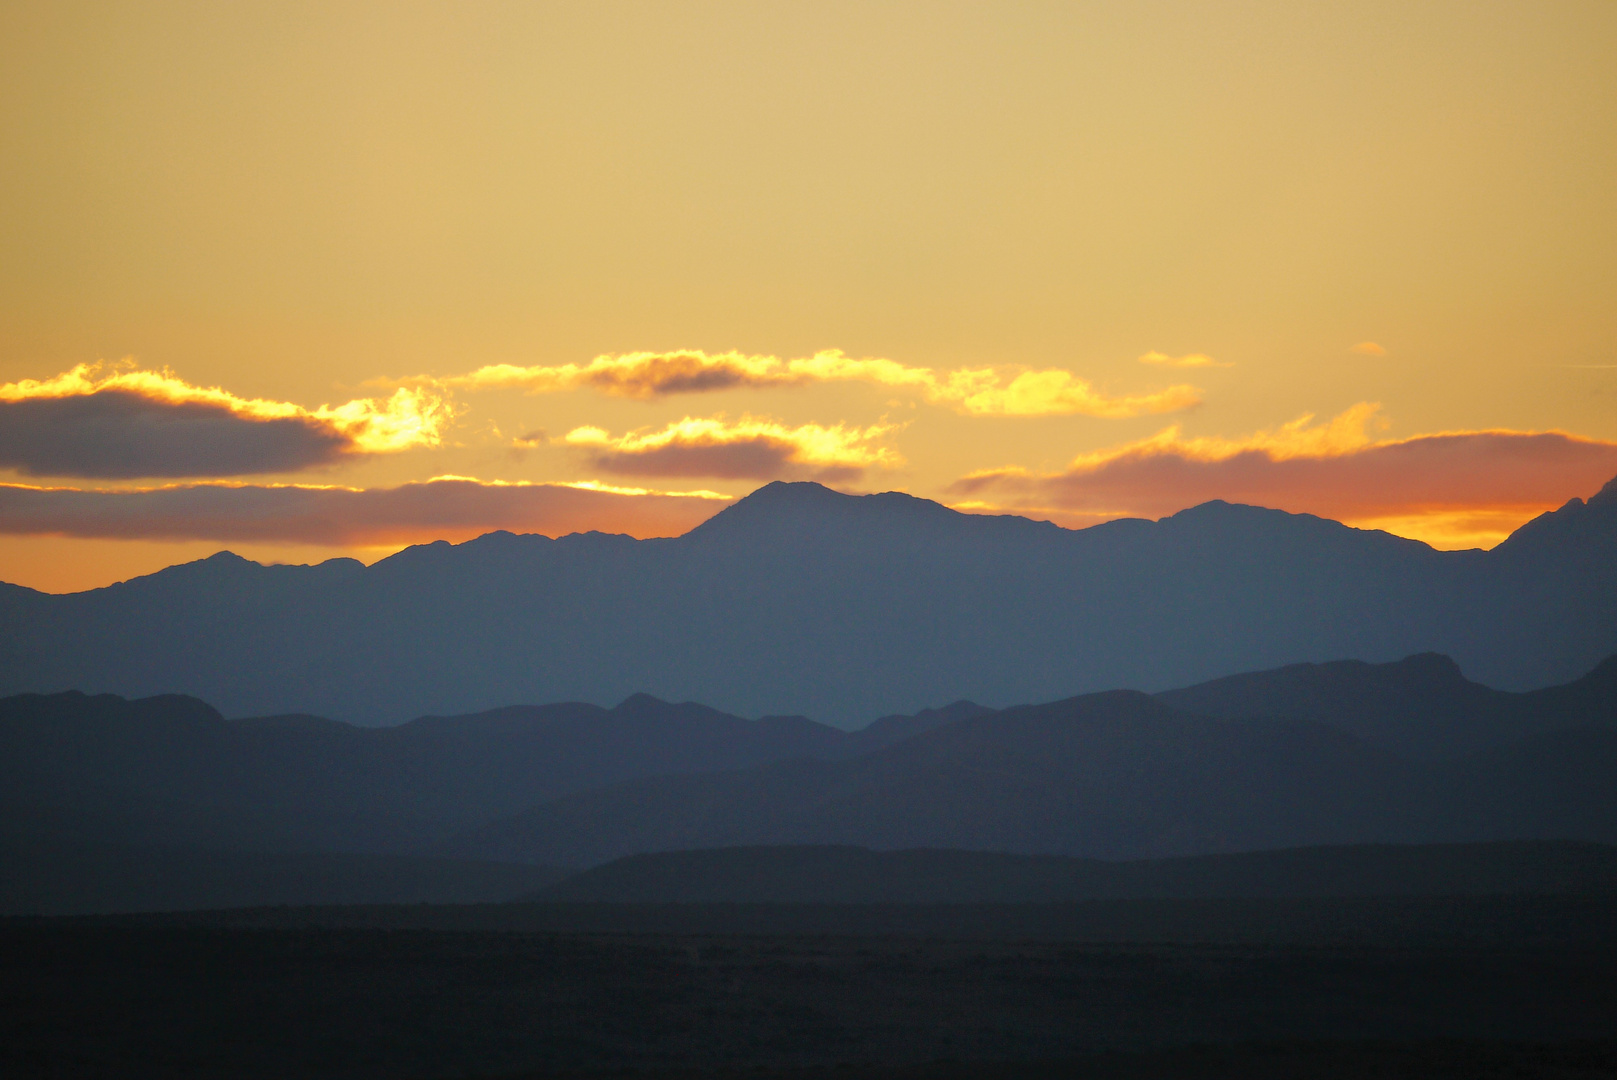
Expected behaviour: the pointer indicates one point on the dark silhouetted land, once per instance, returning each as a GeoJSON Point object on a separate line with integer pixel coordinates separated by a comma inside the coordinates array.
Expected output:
{"type": "Point", "coordinates": [173, 999]}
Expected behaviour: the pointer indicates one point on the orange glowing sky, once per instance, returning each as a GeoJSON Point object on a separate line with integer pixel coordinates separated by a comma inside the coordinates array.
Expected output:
{"type": "Point", "coordinates": [304, 280]}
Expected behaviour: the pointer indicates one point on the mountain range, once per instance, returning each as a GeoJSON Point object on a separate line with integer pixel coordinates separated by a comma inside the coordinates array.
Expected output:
{"type": "Point", "coordinates": [171, 770]}
{"type": "Point", "coordinates": [1116, 775]}
{"type": "Point", "coordinates": [164, 797]}
{"type": "Point", "coordinates": [798, 599]}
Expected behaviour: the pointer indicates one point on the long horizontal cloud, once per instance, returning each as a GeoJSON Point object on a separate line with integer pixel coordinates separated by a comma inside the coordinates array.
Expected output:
{"type": "Point", "coordinates": [448, 508]}
{"type": "Point", "coordinates": [1449, 488]}
{"type": "Point", "coordinates": [987, 391]}
{"type": "Point", "coordinates": [742, 449]}
{"type": "Point", "coordinates": [1189, 360]}
{"type": "Point", "coordinates": [131, 423]}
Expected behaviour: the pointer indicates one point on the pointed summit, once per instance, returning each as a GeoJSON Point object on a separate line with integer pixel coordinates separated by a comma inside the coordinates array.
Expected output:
{"type": "Point", "coordinates": [1590, 525]}
{"type": "Point", "coordinates": [786, 513]}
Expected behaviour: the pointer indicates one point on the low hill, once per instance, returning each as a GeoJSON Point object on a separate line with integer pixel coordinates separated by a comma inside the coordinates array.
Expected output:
{"type": "Point", "coordinates": [852, 875]}
{"type": "Point", "coordinates": [87, 879]}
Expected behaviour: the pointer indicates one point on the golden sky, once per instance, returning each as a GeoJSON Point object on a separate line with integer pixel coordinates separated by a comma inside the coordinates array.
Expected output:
{"type": "Point", "coordinates": [269, 271]}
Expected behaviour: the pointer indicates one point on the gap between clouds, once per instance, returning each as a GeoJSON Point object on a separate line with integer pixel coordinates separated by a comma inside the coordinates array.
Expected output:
{"type": "Point", "coordinates": [986, 391]}
{"type": "Point", "coordinates": [131, 423]}
{"type": "Point", "coordinates": [444, 508]}
{"type": "Point", "coordinates": [1451, 489]}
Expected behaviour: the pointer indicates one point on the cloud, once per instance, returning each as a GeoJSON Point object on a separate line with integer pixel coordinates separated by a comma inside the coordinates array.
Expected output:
{"type": "Point", "coordinates": [445, 508]}
{"type": "Point", "coordinates": [987, 391]}
{"type": "Point", "coordinates": [1451, 488]}
{"type": "Point", "coordinates": [132, 423]}
{"type": "Point", "coordinates": [1051, 393]}
{"type": "Point", "coordinates": [1369, 348]}
{"type": "Point", "coordinates": [1189, 360]}
{"type": "Point", "coordinates": [748, 448]}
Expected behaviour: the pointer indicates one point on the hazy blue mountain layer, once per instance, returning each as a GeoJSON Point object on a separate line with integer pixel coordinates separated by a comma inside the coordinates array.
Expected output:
{"type": "Point", "coordinates": [1322, 758]}
{"type": "Point", "coordinates": [163, 801]}
{"type": "Point", "coordinates": [1117, 775]}
{"type": "Point", "coordinates": [1421, 706]}
{"type": "Point", "coordinates": [170, 770]}
{"type": "Point", "coordinates": [798, 599]}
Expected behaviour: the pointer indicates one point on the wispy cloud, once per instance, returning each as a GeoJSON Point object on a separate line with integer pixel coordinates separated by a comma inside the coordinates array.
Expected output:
{"type": "Point", "coordinates": [1369, 348]}
{"type": "Point", "coordinates": [1189, 360]}
{"type": "Point", "coordinates": [124, 423]}
{"type": "Point", "coordinates": [748, 448]}
{"type": "Point", "coordinates": [985, 391]}
{"type": "Point", "coordinates": [1450, 488]}
{"type": "Point", "coordinates": [445, 508]}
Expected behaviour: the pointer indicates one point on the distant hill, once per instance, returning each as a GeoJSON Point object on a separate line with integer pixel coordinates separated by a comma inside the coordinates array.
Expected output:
{"type": "Point", "coordinates": [171, 771]}
{"type": "Point", "coordinates": [1117, 775]}
{"type": "Point", "coordinates": [798, 599]}
{"type": "Point", "coordinates": [853, 875]}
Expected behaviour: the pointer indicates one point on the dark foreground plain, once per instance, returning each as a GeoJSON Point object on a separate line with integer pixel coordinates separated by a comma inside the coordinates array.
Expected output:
{"type": "Point", "coordinates": [1518, 986]}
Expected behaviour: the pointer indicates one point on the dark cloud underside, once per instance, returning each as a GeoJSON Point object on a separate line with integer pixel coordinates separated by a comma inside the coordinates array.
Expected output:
{"type": "Point", "coordinates": [117, 434]}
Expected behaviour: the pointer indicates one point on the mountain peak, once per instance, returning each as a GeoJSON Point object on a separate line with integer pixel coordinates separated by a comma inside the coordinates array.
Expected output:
{"type": "Point", "coordinates": [783, 512]}
{"type": "Point", "coordinates": [639, 702]}
{"type": "Point", "coordinates": [1429, 668]}
{"type": "Point", "coordinates": [784, 509]}
{"type": "Point", "coordinates": [1577, 522]}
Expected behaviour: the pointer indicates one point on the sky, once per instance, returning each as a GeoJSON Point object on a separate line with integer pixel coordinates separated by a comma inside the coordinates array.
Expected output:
{"type": "Point", "coordinates": [304, 281]}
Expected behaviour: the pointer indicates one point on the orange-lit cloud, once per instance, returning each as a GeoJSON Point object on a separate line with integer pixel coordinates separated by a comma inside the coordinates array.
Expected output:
{"type": "Point", "coordinates": [445, 508]}
{"type": "Point", "coordinates": [1189, 360]}
{"type": "Point", "coordinates": [1452, 489]}
{"type": "Point", "coordinates": [986, 391]}
{"type": "Point", "coordinates": [747, 448]}
{"type": "Point", "coordinates": [131, 423]}
{"type": "Point", "coordinates": [1369, 348]}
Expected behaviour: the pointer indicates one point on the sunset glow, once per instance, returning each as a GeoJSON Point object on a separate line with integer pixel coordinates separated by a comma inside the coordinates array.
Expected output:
{"type": "Point", "coordinates": [1077, 262]}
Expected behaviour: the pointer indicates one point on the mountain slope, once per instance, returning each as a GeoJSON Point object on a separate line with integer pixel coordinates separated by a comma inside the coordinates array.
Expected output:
{"type": "Point", "coordinates": [800, 600]}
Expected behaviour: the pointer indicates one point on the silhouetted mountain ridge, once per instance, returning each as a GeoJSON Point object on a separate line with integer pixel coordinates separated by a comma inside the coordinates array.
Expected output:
{"type": "Point", "coordinates": [907, 601]}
